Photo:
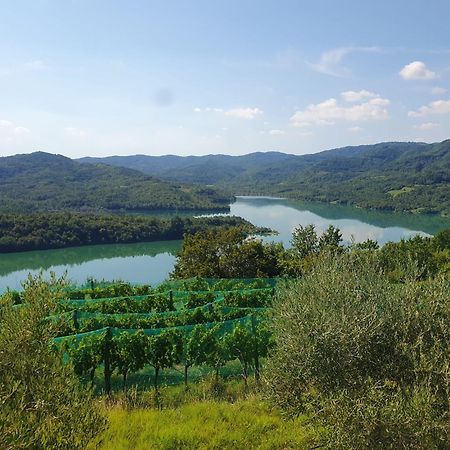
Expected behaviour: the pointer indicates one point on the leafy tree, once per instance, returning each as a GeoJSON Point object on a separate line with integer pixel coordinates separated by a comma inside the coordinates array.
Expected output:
{"type": "Point", "coordinates": [368, 244]}
{"type": "Point", "coordinates": [226, 253]}
{"type": "Point", "coordinates": [304, 241]}
{"type": "Point", "coordinates": [330, 240]}
{"type": "Point", "coordinates": [43, 404]}
{"type": "Point", "coordinates": [37, 231]}
{"type": "Point", "coordinates": [441, 240]}
{"type": "Point", "coordinates": [369, 357]}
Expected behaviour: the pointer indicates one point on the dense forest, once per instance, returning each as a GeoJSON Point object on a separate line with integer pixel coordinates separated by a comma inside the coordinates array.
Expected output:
{"type": "Point", "coordinates": [43, 182]}
{"type": "Point", "coordinates": [39, 231]}
{"type": "Point", "coordinates": [393, 176]}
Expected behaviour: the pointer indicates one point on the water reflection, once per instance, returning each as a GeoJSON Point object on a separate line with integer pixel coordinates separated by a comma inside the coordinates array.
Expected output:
{"type": "Point", "coordinates": [284, 215]}
{"type": "Point", "coordinates": [152, 262]}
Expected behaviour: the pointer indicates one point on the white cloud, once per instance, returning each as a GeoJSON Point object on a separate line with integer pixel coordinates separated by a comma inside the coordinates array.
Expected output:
{"type": "Point", "coordinates": [437, 107]}
{"type": "Point", "coordinates": [21, 130]}
{"type": "Point", "coordinates": [36, 64]}
{"type": "Point", "coordinates": [6, 124]}
{"type": "Point", "coordinates": [239, 113]}
{"type": "Point", "coordinates": [354, 129]}
{"type": "Point", "coordinates": [438, 90]}
{"type": "Point", "coordinates": [427, 126]}
{"type": "Point", "coordinates": [277, 132]}
{"type": "Point", "coordinates": [10, 129]}
{"type": "Point", "coordinates": [329, 111]}
{"type": "Point", "coordinates": [330, 61]}
{"type": "Point", "coordinates": [417, 70]}
{"type": "Point", "coordinates": [357, 96]}
{"type": "Point", "coordinates": [244, 113]}
{"type": "Point", "coordinates": [75, 132]}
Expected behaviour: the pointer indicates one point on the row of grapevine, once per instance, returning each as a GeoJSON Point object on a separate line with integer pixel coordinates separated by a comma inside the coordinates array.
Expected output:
{"type": "Point", "coordinates": [183, 326]}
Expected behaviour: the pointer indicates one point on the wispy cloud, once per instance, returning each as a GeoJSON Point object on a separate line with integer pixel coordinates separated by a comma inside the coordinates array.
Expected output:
{"type": "Point", "coordinates": [244, 113]}
{"type": "Point", "coordinates": [9, 128]}
{"type": "Point", "coordinates": [277, 132]}
{"type": "Point", "coordinates": [438, 90]}
{"type": "Point", "coordinates": [437, 107]}
{"type": "Point", "coordinates": [357, 96]}
{"type": "Point", "coordinates": [75, 132]}
{"type": "Point", "coordinates": [237, 113]}
{"type": "Point", "coordinates": [331, 61]}
{"type": "Point", "coordinates": [354, 129]}
{"type": "Point", "coordinates": [34, 65]}
{"type": "Point", "coordinates": [427, 126]}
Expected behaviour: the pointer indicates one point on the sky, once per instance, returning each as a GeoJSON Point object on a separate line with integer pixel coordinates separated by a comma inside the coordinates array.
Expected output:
{"type": "Point", "coordinates": [114, 77]}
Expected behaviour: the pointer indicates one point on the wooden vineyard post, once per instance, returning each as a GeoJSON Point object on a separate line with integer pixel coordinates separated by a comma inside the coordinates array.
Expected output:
{"type": "Point", "coordinates": [107, 360]}
{"type": "Point", "coordinates": [76, 325]}
{"type": "Point", "coordinates": [256, 354]}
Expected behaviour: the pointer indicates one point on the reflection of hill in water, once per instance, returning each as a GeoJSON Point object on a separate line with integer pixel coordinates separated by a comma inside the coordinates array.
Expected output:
{"type": "Point", "coordinates": [426, 223]}
{"type": "Point", "coordinates": [44, 259]}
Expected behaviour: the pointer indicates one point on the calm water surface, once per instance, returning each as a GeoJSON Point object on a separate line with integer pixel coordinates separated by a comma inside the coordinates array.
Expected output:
{"type": "Point", "coordinates": [152, 262]}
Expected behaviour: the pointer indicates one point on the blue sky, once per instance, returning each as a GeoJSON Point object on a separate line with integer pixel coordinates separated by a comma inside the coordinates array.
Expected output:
{"type": "Point", "coordinates": [98, 77]}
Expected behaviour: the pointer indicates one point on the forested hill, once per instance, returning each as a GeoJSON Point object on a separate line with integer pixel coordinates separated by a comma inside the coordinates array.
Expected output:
{"type": "Point", "coordinates": [400, 176]}
{"type": "Point", "coordinates": [42, 181]}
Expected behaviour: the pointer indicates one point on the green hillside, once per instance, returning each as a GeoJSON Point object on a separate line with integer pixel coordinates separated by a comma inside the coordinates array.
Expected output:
{"type": "Point", "coordinates": [395, 176]}
{"type": "Point", "coordinates": [42, 182]}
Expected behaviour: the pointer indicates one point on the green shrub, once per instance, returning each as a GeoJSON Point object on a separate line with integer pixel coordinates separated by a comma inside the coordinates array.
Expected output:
{"type": "Point", "coordinates": [43, 405]}
{"type": "Point", "coordinates": [350, 343]}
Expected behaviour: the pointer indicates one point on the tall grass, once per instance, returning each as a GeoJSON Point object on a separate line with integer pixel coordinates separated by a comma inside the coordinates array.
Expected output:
{"type": "Point", "coordinates": [246, 424]}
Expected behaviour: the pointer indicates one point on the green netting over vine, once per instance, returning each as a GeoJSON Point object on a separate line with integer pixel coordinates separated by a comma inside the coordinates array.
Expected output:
{"type": "Point", "coordinates": [222, 328]}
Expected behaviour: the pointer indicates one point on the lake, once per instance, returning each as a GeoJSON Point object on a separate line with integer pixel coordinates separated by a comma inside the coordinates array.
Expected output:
{"type": "Point", "coordinates": [152, 262]}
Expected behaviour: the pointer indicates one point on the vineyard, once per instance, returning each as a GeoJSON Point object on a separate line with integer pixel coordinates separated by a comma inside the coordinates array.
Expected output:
{"type": "Point", "coordinates": [198, 322]}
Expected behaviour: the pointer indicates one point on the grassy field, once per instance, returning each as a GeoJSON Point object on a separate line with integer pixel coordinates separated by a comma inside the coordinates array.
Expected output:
{"type": "Point", "coordinates": [209, 415]}
{"type": "Point", "coordinates": [246, 424]}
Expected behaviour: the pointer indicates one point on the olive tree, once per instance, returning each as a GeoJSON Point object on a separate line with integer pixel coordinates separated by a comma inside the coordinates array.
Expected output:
{"type": "Point", "coordinates": [43, 404]}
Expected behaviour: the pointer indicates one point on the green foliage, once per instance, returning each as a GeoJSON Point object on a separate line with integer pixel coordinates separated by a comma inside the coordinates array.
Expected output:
{"type": "Point", "coordinates": [205, 425]}
{"type": "Point", "coordinates": [240, 344]}
{"type": "Point", "coordinates": [39, 395]}
{"type": "Point", "coordinates": [145, 303]}
{"type": "Point", "coordinates": [364, 353]}
{"type": "Point", "coordinates": [226, 254]}
{"type": "Point", "coordinates": [248, 298]}
{"type": "Point", "coordinates": [308, 248]}
{"type": "Point", "coordinates": [40, 231]}
{"type": "Point", "coordinates": [418, 257]}
{"type": "Point", "coordinates": [365, 176]}
{"type": "Point", "coordinates": [199, 299]}
{"type": "Point", "coordinates": [163, 351]}
{"type": "Point", "coordinates": [129, 353]}
{"type": "Point", "coordinates": [304, 241]}
{"type": "Point", "coordinates": [87, 356]}
{"type": "Point", "coordinates": [198, 347]}
{"type": "Point", "coordinates": [44, 182]}
{"type": "Point", "coordinates": [442, 240]}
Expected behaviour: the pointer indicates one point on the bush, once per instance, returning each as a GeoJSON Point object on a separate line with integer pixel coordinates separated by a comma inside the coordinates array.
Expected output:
{"type": "Point", "coordinates": [43, 405]}
{"type": "Point", "coordinates": [363, 353]}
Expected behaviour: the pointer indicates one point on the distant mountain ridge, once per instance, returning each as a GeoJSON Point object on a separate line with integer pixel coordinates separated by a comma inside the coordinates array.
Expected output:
{"type": "Point", "coordinates": [41, 182]}
{"type": "Point", "coordinates": [400, 176]}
